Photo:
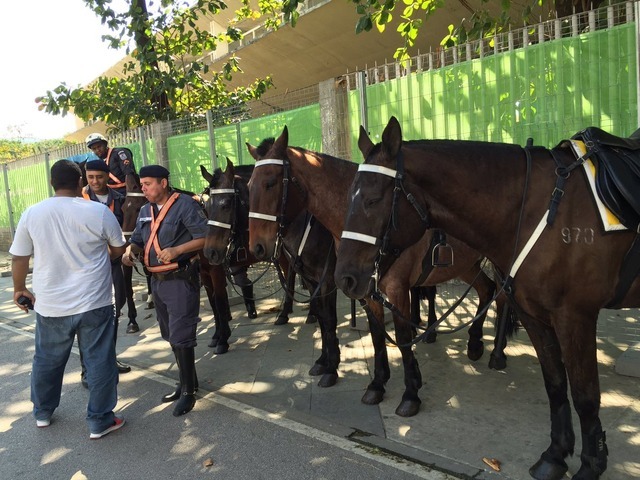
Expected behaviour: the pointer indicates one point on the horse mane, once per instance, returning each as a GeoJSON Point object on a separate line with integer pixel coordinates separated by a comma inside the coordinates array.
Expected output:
{"type": "Point", "coordinates": [265, 145]}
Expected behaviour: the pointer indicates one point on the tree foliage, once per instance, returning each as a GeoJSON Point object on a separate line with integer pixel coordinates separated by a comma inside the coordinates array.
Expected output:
{"type": "Point", "coordinates": [412, 16]}
{"type": "Point", "coordinates": [11, 150]}
{"type": "Point", "coordinates": [166, 77]}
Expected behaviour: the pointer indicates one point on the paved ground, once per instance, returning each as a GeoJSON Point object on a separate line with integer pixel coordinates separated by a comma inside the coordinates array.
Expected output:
{"type": "Point", "coordinates": [468, 411]}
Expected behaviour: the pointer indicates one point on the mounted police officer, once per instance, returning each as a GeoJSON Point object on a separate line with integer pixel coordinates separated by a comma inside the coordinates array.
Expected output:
{"type": "Point", "coordinates": [119, 160]}
{"type": "Point", "coordinates": [170, 229]}
{"type": "Point", "coordinates": [96, 190]}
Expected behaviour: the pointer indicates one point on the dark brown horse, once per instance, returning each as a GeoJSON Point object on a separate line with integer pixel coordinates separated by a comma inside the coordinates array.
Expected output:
{"type": "Point", "coordinates": [560, 265]}
{"type": "Point", "coordinates": [288, 180]}
{"type": "Point", "coordinates": [307, 246]}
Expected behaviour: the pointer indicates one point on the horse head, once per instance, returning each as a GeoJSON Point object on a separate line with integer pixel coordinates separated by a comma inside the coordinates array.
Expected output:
{"type": "Point", "coordinates": [227, 212]}
{"type": "Point", "coordinates": [267, 192]}
{"type": "Point", "coordinates": [133, 203]}
{"type": "Point", "coordinates": [381, 220]}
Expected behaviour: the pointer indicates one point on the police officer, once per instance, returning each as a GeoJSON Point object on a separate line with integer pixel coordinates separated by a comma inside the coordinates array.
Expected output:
{"type": "Point", "coordinates": [96, 190]}
{"type": "Point", "coordinates": [119, 160]}
{"type": "Point", "coordinates": [170, 229]}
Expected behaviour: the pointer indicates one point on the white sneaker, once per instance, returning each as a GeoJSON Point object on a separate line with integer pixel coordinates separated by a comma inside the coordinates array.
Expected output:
{"type": "Point", "coordinates": [43, 423]}
{"type": "Point", "coordinates": [118, 422]}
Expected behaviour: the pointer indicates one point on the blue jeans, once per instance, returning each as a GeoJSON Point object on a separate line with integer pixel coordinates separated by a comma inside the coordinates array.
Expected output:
{"type": "Point", "coordinates": [54, 339]}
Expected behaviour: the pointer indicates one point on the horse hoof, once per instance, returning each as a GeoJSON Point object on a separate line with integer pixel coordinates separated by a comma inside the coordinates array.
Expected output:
{"type": "Point", "coordinates": [311, 319]}
{"type": "Point", "coordinates": [317, 369]}
{"type": "Point", "coordinates": [408, 408]}
{"type": "Point", "coordinates": [221, 348]}
{"type": "Point", "coordinates": [545, 470]}
{"type": "Point", "coordinates": [430, 338]}
{"type": "Point", "coordinates": [372, 397]}
{"type": "Point", "coordinates": [213, 343]}
{"type": "Point", "coordinates": [328, 380]}
{"type": "Point", "coordinates": [497, 362]}
{"type": "Point", "coordinates": [281, 320]}
{"type": "Point", "coordinates": [475, 352]}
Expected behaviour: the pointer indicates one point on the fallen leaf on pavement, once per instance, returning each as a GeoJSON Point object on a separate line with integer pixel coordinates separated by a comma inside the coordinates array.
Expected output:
{"type": "Point", "coordinates": [492, 462]}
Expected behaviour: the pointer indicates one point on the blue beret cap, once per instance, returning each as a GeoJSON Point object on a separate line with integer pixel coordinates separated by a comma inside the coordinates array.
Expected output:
{"type": "Point", "coordinates": [97, 165]}
{"type": "Point", "coordinates": [155, 171]}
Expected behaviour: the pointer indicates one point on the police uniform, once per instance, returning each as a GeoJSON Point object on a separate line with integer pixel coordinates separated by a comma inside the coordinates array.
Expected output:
{"type": "Point", "coordinates": [120, 161]}
{"type": "Point", "coordinates": [175, 286]}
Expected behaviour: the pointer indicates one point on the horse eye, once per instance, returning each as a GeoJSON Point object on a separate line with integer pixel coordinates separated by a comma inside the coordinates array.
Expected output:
{"type": "Point", "coordinates": [270, 184]}
{"type": "Point", "coordinates": [370, 202]}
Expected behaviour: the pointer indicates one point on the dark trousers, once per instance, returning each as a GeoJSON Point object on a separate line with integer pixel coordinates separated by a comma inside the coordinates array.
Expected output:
{"type": "Point", "coordinates": [177, 305]}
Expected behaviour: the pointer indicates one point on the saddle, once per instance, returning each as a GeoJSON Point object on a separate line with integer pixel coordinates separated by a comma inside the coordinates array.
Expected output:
{"type": "Point", "coordinates": [617, 163]}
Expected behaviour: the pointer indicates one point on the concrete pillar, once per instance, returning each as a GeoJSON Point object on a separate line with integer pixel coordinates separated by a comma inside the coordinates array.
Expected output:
{"type": "Point", "coordinates": [334, 117]}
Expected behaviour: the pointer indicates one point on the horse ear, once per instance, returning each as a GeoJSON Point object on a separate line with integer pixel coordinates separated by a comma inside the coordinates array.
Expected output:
{"type": "Point", "coordinates": [205, 174]}
{"type": "Point", "coordinates": [229, 166]}
{"type": "Point", "coordinates": [282, 142]}
{"type": "Point", "coordinates": [392, 137]}
{"type": "Point", "coordinates": [253, 151]}
{"type": "Point", "coordinates": [364, 143]}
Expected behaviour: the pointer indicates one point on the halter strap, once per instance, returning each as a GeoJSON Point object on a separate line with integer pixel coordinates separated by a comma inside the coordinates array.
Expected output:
{"type": "Point", "coordinates": [219, 191]}
{"type": "Point", "coordinates": [269, 161]}
{"type": "Point", "coordinates": [219, 224]}
{"type": "Point", "coordinates": [262, 216]}
{"type": "Point", "coordinates": [135, 194]}
{"type": "Point", "coordinates": [360, 237]}
{"type": "Point", "coordinates": [389, 172]}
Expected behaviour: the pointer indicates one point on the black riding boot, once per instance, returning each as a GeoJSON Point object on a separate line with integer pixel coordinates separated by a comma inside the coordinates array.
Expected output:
{"type": "Point", "coordinates": [249, 301]}
{"type": "Point", "coordinates": [175, 395]}
{"type": "Point", "coordinates": [187, 366]}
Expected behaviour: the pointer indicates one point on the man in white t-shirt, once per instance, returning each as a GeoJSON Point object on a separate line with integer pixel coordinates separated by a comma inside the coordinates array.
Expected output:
{"type": "Point", "coordinates": [71, 241]}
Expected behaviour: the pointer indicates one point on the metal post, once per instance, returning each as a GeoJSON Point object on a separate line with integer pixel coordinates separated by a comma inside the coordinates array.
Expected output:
{"type": "Point", "coordinates": [142, 138]}
{"type": "Point", "coordinates": [239, 145]}
{"type": "Point", "coordinates": [12, 227]}
{"type": "Point", "coordinates": [361, 82]}
{"type": "Point", "coordinates": [212, 140]}
{"type": "Point", "coordinates": [637, 17]}
{"type": "Point", "coordinates": [47, 165]}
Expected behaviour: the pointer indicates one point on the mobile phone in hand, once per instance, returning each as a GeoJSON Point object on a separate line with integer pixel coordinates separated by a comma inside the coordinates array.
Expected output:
{"type": "Point", "coordinates": [25, 302]}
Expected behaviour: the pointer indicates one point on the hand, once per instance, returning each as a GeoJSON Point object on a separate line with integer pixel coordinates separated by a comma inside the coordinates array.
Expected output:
{"type": "Point", "coordinates": [128, 259]}
{"type": "Point", "coordinates": [167, 255]}
{"type": "Point", "coordinates": [23, 293]}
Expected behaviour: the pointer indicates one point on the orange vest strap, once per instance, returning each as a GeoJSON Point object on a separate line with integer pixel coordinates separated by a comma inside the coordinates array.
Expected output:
{"type": "Point", "coordinates": [153, 237]}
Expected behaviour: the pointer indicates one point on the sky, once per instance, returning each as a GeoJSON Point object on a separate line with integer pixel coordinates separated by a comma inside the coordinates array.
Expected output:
{"type": "Point", "coordinates": [44, 43]}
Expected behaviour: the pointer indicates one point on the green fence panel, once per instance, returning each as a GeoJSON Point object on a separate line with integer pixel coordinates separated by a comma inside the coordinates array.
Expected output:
{"type": "Point", "coordinates": [4, 209]}
{"type": "Point", "coordinates": [186, 153]}
{"type": "Point", "coordinates": [28, 185]}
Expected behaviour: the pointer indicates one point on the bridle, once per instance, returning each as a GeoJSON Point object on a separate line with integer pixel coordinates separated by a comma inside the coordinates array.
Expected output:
{"type": "Point", "coordinates": [385, 253]}
{"type": "Point", "coordinates": [132, 194]}
{"type": "Point", "coordinates": [232, 244]}
{"type": "Point", "coordinates": [282, 225]}
{"type": "Point", "coordinates": [280, 219]}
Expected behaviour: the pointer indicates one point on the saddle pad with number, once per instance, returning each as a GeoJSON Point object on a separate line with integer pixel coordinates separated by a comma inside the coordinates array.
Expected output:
{"type": "Point", "coordinates": [609, 221]}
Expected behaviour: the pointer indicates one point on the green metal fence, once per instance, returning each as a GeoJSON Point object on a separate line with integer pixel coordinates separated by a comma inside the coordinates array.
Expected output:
{"type": "Point", "coordinates": [544, 89]}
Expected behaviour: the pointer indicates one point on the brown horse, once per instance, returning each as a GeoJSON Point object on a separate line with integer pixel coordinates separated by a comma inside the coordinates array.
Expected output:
{"type": "Point", "coordinates": [307, 247]}
{"type": "Point", "coordinates": [212, 277]}
{"type": "Point", "coordinates": [560, 266]}
{"type": "Point", "coordinates": [288, 180]}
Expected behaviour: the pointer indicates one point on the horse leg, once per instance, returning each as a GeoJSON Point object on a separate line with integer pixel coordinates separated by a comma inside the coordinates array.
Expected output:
{"type": "Point", "coordinates": [381, 372]}
{"type": "Point", "coordinates": [131, 304]}
{"type": "Point", "coordinates": [485, 289]}
{"type": "Point", "coordinates": [221, 301]}
{"type": "Point", "coordinates": [205, 278]}
{"type": "Point", "coordinates": [551, 465]}
{"type": "Point", "coordinates": [579, 352]}
{"type": "Point", "coordinates": [505, 318]}
{"type": "Point", "coordinates": [410, 404]}
{"type": "Point", "coordinates": [287, 301]}
{"type": "Point", "coordinates": [428, 293]}
{"type": "Point", "coordinates": [328, 320]}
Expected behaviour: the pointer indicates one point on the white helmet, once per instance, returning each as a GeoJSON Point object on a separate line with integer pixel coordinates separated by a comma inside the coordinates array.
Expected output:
{"type": "Point", "coordinates": [94, 138]}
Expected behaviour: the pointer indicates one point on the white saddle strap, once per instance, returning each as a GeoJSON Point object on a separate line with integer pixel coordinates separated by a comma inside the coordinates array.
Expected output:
{"type": "Point", "coordinates": [529, 245]}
